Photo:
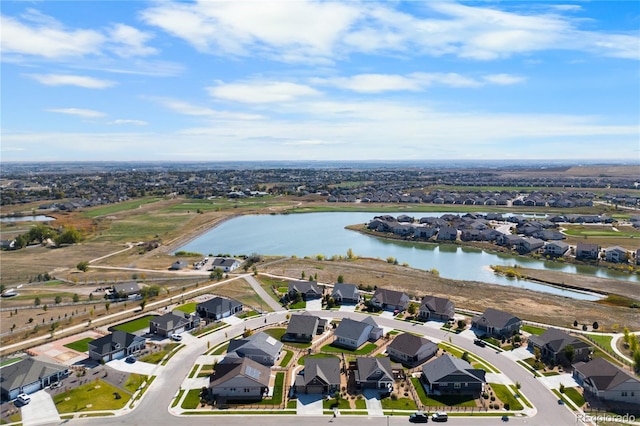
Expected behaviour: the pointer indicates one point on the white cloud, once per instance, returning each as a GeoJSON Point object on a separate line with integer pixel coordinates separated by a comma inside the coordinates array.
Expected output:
{"type": "Point", "coordinates": [256, 92]}
{"type": "Point", "coordinates": [72, 80]}
{"type": "Point", "coordinates": [47, 41]}
{"type": "Point", "coordinates": [86, 113]}
{"type": "Point", "coordinates": [503, 79]}
{"type": "Point", "coordinates": [185, 108]}
{"type": "Point", "coordinates": [132, 122]}
{"type": "Point", "coordinates": [129, 41]}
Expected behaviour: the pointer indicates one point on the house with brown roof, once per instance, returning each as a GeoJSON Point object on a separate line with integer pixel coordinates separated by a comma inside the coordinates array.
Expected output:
{"type": "Point", "coordinates": [320, 375]}
{"type": "Point", "coordinates": [553, 344]}
{"type": "Point", "coordinates": [496, 323]}
{"type": "Point", "coordinates": [411, 350]}
{"type": "Point", "coordinates": [604, 381]}
{"type": "Point", "coordinates": [587, 251]}
{"type": "Point", "coordinates": [448, 375]}
{"type": "Point", "coordinates": [390, 299]}
{"type": "Point", "coordinates": [373, 372]}
{"type": "Point", "coordinates": [240, 379]}
{"type": "Point", "coordinates": [436, 308]}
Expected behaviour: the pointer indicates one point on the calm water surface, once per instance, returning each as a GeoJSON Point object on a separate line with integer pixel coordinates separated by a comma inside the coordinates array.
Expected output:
{"type": "Point", "coordinates": [311, 234]}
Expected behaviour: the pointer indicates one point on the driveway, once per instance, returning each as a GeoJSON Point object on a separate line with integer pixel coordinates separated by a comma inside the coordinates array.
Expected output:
{"type": "Point", "coordinates": [40, 410]}
{"type": "Point", "coordinates": [348, 308]}
{"type": "Point", "coordinates": [519, 354]}
{"type": "Point", "coordinates": [137, 367]}
{"type": "Point", "coordinates": [553, 382]}
{"type": "Point", "coordinates": [314, 305]}
{"type": "Point", "coordinates": [372, 398]}
{"type": "Point", "coordinates": [309, 405]}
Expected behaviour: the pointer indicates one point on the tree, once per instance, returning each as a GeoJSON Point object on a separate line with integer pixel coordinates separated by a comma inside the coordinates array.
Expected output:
{"type": "Point", "coordinates": [107, 306]}
{"type": "Point", "coordinates": [40, 233]}
{"type": "Point", "coordinates": [625, 337]}
{"type": "Point", "coordinates": [143, 304]}
{"type": "Point", "coordinates": [350, 254]}
{"type": "Point", "coordinates": [636, 360]}
{"type": "Point", "coordinates": [83, 266]}
{"type": "Point", "coordinates": [69, 235]}
{"type": "Point", "coordinates": [57, 300]}
{"type": "Point", "coordinates": [36, 302]}
{"type": "Point", "coordinates": [569, 353]}
{"type": "Point", "coordinates": [76, 298]}
{"type": "Point", "coordinates": [633, 342]}
{"type": "Point", "coordinates": [536, 353]}
{"type": "Point", "coordinates": [303, 275]}
{"type": "Point", "coordinates": [595, 325]}
{"type": "Point", "coordinates": [340, 279]}
{"type": "Point", "coordinates": [412, 309]}
{"type": "Point", "coordinates": [462, 324]}
{"type": "Point", "coordinates": [216, 274]}
{"type": "Point", "coordinates": [575, 323]}
{"type": "Point", "coordinates": [90, 296]}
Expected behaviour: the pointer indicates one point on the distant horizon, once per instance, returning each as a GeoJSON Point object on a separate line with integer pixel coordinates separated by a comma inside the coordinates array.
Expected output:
{"type": "Point", "coordinates": [313, 80]}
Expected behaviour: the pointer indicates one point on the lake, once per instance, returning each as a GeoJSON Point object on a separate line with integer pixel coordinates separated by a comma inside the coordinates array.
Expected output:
{"type": "Point", "coordinates": [311, 234]}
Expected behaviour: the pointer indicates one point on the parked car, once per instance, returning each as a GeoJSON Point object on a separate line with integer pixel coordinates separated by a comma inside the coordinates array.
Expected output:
{"type": "Point", "coordinates": [130, 359]}
{"type": "Point", "coordinates": [439, 416]}
{"type": "Point", "coordinates": [176, 337]}
{"type": "Point", "coordinates": [480, 343]}
{"type": "Point", "coordinates": [55, 385]}
{"type": "Point", "coordinates": [23, 399]}
{"type": "Point", "coordinates": [419, 417]}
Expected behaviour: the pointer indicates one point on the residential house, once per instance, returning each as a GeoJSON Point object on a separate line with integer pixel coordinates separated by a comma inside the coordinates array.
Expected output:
{"type": "Point", "coordinates": [345, 293]}
{"type": "Point", "coordinates": [116, 345]}
{"type": "Point", "coordinates": [553, 343]}
{"type": "Point", "coordinates": [376, 332]}
{"type": "Point", "coordinates": [390, 300]}
{"type": "Point", "coordinates": [28, 376]}
{"type": "Point", "coordinates": [555, 249]}
{"type": "Point", "coordinates": [496, 323]}
{"type": "Point", "coordinates": [320, 376]}
{"type": "Point", "coordinates": [302, 328]}
{"type": "Point", "coordinates": [587, 251]}
{"type": "Point", "coordinates": [373, 372]}
{"type": "Point", "coordinates": [411, 350]}
{"type": "Point", "coordinates": [123, 290]}
{"type": "Point", "coordinates": [448, 375]}
{"type": "Point", "coordinates": [239, 380]}
{"type": "Point", "coordinates": [260, 347]}
{"type": "Point", "coordinates": [447, 233]}
{"type": "Point", "coordinates": [352, 334]}
{"type": "Point", "coordinates": [508, 240]}
{"type": "Point", "coordinates": [308, 289]}
{"type": "Point", "coordinates": [217, 308]}
{"type": "Point", "coordinates": [436, 308]}
{"type": "Point", "coordinates": [529, 245]}
{"type": "Point", "coordinates": [227, 264]}
{"type": "Point", "coordinates": [424, 231]}
{"type": "Point", "coordinates": [607, 382]}
{"type": "Point", "coordinates": [616, 254]}
{"type": "Point", "coordinates": [173, 323]}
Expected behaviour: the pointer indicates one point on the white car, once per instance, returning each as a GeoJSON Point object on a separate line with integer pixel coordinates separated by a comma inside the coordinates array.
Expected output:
{"type": "Point", "coordinates": [176, 337]}
{"type": "Point", "coordinates": [23, 399]}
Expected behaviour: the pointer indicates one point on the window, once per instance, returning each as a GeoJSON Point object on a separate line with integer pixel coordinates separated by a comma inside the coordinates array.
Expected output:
{"type": "Point", "coordinates": [456, 386]}
{"type": "Point", "coordinates": [624, 394]}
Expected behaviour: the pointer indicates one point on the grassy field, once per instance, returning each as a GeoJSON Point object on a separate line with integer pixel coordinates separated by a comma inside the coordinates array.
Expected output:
{"type": "Point", "coordinates": [156, 357]}
{"type": "Point", "coordinates": [97, 395]}
{"type": "Point", "coordinates": [189, 308]}
{"type": "Point", "coordinates": [192, 399]}
{"type": "Point", "coordinates": [278, 391]}
{"type": "Point", "coordinates": [286, 358]}
{"type": "Point", "coordinates": [574, 395]}
{"type": "Point", "coordinates": [504, 394]}
{"type": "Point", "coordinates": [533, 329]}
{"type": "Point", "coordinates": [398, 404]}
{"type": "Point", "coordinates": [134, 381]}
{"type": "Point", "coordinates": [441, 400]}
{"type": "Point", "coordinates": [135, 325]}
{"type": "Point", "coordinates": [119, 207]}
{"type": "Point", "coordinates": [242, 291]}
{"type": "Point", "coordinates": [81, 345]}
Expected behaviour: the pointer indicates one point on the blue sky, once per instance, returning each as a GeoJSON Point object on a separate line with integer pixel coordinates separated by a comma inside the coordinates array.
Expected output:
{"type": "Point", "coordinates": [309, 80]}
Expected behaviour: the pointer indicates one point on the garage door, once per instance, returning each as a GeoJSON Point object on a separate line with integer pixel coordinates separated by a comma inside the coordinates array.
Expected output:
{"type": "Point", "coordinates": [31, 387]}
{"type": "Point", "coordinates": [118, 355]}
{"type": "Point", "coordinates": [178, 330]}
{"type": "Point", "coordinates": [315, 389]}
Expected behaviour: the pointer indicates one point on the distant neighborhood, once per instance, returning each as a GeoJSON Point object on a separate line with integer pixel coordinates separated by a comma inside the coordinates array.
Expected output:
{"type": "Point", "coordinates": [522, 234]}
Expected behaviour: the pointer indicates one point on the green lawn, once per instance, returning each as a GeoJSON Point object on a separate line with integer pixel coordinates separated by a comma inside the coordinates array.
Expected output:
{"type": "Point", "coordinates": [134, 381]}
{"type": "Point", "coordinates": [10, 361]}
{"type": "Point", "coordinates": [301, 360]}
{"type": "Point", "coordinates": [575, 396]}
{"type": "Point", "coordinates": [156, 357]}
{"type": "Point", "coordinates": [278, 391]}
{"type": "Point", "coordinates": [341, 404]}
{"type": "Point", "coordinates": [135, 325]}
{"type": "Point", "coordinates": [505, 394]}
{"type": "Point", "coordinates": [189, 308]}
{"type": "Point", "coordinates": [300, 305]}
{"type": "Point", "coordinates": [192, 400]}
{"type": "Point", "coordinates": [441, 401]}
{"type": "Point", "coordinates": [99, 394]}
{"type": "Point", "coordinates": [286, 358]}
{"type": "Point", "coordinates": [208, 329]}
{"type": "Point", "coordinates": [532, 329]}
{"type": "Point", "coordinates": [276, 333]}
{"type": "Point", "coordinates": [221, 349]}
{"type": "Point", "coordinates": [81, 345]}
{"type": "Point", "coordinates": [601, 339]}
{"type": "Point", "coordinates": [366, 349]}
{"type": "Point", "coordinates": [248, 314]}
{"type": "Point", "coordinates": [399, 404]}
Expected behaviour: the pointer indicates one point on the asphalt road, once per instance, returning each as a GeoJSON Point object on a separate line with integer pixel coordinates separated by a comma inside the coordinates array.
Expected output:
{"type": "Point", "coordinates": [153, 408]}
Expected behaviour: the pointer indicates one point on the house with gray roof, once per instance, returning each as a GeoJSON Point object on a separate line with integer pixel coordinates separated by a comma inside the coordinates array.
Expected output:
{"type": "Point", "coordinates": [351, 334]}
{"type": "Point", "coordinates": [301, 328]}
{"type": "Point", "coordinates": [373, 372]}
{"type": "Point", "coordinates": [447, 233]}
{"type": "Point", "coordinates": [260, 347]}
{"type": "Point", "coordinates": [496, 323]}
{"type": "Point", "coordinates": [345, 293]}
{"type": "Point", "coordinates": [587, 251]}
{"type": "Point", "coordinates": [607, 382]}
{"type": "Point", "coordinates": [556, 248]}
{"type": "Point", "coordinates": [173, 322]}
{"type": "Point", "coordinates": [28, 376]}
{"type": "Point", "coordinates": [178, 265]}
{"type": "Point", "coordinates": [553, 343]}
{"type": "Point", "coordinates": [436, 308]}
{"type": "Point", "coordinates": [320, 376]}
{"type": "Point", "coordinates": [116, 345]}
{"type": "Point", "coordinates": [529, 245]}
{"type": "Point", "coordinates": [377, 331]}
{"type": "Point", "coordinates": [616, 254]}
{"type": "Point", "coordinates": [227, 264]}
{"type": "Point", "coordinates": [128, 289]}
{"type": "Point", "coordinates": [239, 380]}
{"type": "Point", "coordinates": [448, 375]}
{"type": "Point", "coordinates": [390, 299]}
{"type": "Point", "coordinates": [411, 350]}
{"type": "Point", "coordinates": [308, 289]}
{"type": "Point", "coordinates": [217, 308]}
